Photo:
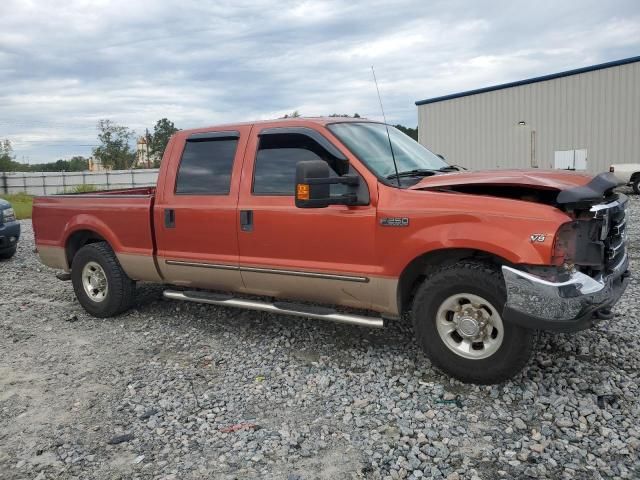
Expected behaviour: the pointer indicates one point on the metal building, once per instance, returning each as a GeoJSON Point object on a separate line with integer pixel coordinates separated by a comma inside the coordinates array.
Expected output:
{"type": "Point", "coordinates": [583, 119]}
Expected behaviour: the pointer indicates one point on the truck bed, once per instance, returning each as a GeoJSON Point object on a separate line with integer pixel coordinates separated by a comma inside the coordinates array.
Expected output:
{"type": "Point", "coordinates": [122, 191]}
{"type": "Point", "coordinates": [121, 217]}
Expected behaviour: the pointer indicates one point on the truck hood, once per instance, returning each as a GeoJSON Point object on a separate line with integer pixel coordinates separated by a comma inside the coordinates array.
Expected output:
{"type": "Point", "coordinates": [543, 179]}
{"type": "Point", "coordinates": [553, 187]}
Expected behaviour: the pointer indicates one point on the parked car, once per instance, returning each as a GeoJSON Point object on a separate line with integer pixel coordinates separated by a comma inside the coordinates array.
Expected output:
{"type": "Point", "coordinates": [9, 230]}
{"type": "Point", "coordinates": [627, 174]}
{"type": "Point", "coordinates": [319, 214]}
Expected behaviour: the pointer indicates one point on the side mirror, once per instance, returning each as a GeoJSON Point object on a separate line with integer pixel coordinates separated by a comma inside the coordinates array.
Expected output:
{"type": "Point", "coordinates": [313, 186]}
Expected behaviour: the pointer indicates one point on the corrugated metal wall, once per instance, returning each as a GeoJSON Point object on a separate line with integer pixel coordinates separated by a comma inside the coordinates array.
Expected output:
{"type": "Point", "coordinates": [598, 111]}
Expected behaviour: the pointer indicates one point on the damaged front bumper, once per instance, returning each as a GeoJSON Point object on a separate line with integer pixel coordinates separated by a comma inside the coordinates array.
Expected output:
{"type": "Point", "coordinates": [568, 306]}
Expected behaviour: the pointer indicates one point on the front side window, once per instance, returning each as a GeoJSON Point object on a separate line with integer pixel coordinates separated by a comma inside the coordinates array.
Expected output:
{"type": "Point", "coordinates": [276, 159]}
{"type": "Point", "coordinates": [206, 165]}
{"type": "Point", "coordinates": [370, 143]}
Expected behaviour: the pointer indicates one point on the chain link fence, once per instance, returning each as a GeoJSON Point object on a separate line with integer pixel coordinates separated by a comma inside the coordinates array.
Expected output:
{"type": "Point", "coordinates": [49, 183]}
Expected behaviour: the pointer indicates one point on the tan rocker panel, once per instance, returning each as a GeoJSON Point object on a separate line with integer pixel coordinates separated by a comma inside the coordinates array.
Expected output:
{"type": "Point", "coordinates": [139, 267]}
{"type": "Point", "coordinates": [54, 257]}
{"type": "Point", "coordinates": [375, 293]}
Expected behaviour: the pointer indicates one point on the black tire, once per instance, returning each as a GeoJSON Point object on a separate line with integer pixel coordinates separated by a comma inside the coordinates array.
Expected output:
{"type": "Point", "coordinates": [478, 279]}
{"type": "Point", "coordinates": [121, 289]}
{"type": "Point", "coordinates": [8, 253]}
{"type": "Point", "coordinates": [636, 186]}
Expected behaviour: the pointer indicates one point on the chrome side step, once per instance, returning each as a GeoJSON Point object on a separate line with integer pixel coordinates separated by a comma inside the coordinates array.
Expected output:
{"type": "Point", "coordinates": [281, 308]}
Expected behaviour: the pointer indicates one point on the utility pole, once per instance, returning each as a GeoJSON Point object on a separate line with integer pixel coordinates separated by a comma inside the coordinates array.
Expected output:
{"type": "Point", "coordinates": [148, 139]}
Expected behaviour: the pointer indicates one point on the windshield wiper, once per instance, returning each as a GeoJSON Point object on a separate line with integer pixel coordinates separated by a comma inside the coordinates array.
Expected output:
{"type": "Point", "coordinates": [418, 172]}
{"type": "Point", "coordinates": [450, 168]}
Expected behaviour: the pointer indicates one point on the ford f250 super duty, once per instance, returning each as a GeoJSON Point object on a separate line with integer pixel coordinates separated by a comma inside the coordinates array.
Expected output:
{"type": "Point", "coordinates": [341, 220]}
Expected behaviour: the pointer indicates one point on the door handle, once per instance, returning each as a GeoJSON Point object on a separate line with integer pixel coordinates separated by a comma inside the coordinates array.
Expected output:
{"type": "Point", "coordinates": [246, 220]}
{"type": "Point", "coordinates": [169, 218]}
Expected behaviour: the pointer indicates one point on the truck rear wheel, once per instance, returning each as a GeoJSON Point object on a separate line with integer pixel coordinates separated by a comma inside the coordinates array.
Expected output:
{"type": "Point", "coordinates": [101, 286]}
{"type": "Point", "coordinates": [457, 317]}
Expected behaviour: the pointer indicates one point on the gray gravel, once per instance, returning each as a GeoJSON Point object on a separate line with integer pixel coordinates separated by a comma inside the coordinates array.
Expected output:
{"type": "Point", "coordinates": [173, 391]}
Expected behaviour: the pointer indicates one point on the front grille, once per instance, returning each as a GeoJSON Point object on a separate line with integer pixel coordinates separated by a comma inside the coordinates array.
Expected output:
{"type": "Point", "coordinates": [614, 225]}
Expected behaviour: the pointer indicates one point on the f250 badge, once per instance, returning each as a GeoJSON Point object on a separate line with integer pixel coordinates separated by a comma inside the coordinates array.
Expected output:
{"type": "Point", "coordinates": [394, 222]}
{"type": "Point", "coordinates": [538, 237]}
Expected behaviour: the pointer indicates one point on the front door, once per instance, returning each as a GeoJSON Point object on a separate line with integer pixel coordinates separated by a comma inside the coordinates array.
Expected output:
{"type": "Point", "coordinates": [324, 255]}
{"type": "Point", "coordinates": [195, 213]}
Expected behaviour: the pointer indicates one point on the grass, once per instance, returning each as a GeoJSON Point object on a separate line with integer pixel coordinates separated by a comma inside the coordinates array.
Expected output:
{"type": "Point", "coordinates": [21, 203]}
{"type": "Point", "coordinates": [86, 188]}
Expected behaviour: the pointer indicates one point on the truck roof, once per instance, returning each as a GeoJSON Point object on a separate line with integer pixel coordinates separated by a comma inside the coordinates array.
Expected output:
{"type": "Point", "coordinates": [285, 122]}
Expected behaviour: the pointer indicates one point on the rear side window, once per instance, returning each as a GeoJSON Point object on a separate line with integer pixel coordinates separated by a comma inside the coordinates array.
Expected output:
{"type": "Point", "coordinates": [206, 165]}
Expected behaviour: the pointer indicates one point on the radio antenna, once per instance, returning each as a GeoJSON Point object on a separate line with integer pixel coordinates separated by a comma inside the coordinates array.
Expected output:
{"type": "Point", "coordinates": [393, 157]}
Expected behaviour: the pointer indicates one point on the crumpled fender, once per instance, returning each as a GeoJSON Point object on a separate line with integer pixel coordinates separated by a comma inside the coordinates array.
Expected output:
{"type": "Point", "coordinates": [509, 238]}
{"type": "Point", "coordinates": [591, 192]}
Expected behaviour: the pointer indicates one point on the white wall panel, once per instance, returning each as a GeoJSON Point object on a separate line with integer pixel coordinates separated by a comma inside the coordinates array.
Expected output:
{"type": "Point", "coordinates": [598, 111]}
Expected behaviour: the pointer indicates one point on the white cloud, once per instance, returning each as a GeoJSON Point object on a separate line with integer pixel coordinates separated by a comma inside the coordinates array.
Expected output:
{"type": "Point", "coordinates": [66, 64]}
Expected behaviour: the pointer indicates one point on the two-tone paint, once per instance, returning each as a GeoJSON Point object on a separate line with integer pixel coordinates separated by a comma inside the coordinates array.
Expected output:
{"type": "Point", "coordinates": [343, 255]}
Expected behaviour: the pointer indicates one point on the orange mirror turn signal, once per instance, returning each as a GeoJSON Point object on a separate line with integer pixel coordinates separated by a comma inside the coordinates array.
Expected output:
{"type": "Point", "coordinates": [302, 191]}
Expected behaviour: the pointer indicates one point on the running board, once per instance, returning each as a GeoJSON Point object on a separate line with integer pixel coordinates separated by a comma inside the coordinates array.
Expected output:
{"type": "Point", "coordinates": [282, 308]}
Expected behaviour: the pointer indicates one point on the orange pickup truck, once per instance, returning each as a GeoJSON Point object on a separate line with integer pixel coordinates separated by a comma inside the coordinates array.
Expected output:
{"type": "Point", "coordinates": [352, 221]}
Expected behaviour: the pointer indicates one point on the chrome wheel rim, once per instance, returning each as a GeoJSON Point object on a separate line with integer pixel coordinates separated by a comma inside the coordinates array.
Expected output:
{"type": "Point", "coordinates": [470, 326]}
{"type": "Point", "coordinates": [94, 281]}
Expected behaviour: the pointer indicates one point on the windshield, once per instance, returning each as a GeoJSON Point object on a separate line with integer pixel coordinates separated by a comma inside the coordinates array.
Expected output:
{"type": "Point", "coordinates": [369, 142]}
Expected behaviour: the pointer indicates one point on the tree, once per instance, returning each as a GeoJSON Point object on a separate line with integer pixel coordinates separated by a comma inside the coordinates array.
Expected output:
{"type": "Point", "coordinates": [75, 164]}
{"type": "Point", "coordinates": [7, 164]}
{"type": "Point", "coordinates": [157, 141]}
{"type": "Point", "coordinates": [114, 151]}
{"type": "Point", "coordinates": [412, 132]}
{"type": "Point", "coordinates": [294, 114]}
{"type": "Point", "coordinates": [355, 115]}
{"type": "Point", "coordinates": [78, 164]}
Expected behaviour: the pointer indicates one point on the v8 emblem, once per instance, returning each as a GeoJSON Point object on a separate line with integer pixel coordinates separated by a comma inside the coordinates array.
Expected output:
{"type": "Point", "coordinates": [538, 237]}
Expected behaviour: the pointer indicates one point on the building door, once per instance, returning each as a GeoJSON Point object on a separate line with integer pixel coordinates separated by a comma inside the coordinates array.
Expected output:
{"type": "Point", "coordinates": [570, 159]}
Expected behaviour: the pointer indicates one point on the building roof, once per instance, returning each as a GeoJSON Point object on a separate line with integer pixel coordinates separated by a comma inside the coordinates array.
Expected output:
{"type": "Point", "coordinates": [543, 78]}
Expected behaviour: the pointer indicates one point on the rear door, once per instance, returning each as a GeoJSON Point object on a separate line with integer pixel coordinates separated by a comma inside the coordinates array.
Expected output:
{"type": "Point", "coordinates": [196, 211]}
{"type": "Point", "coordinates": [316, 254]}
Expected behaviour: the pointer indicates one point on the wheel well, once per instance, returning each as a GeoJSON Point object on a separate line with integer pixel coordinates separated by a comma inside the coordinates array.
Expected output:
{"type": "Point", "coordinates": [420, 268]}
{"type": "Point", "coordinates": [634, 176]}
{"type": "Point", "coordinates": [79, 239]}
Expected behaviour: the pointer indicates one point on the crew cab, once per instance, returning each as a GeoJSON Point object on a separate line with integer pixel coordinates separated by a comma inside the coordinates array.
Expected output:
{"type": "Point", "coordinates": [627, 174]}
{"type": "Point", "coordinates": [355, 222]}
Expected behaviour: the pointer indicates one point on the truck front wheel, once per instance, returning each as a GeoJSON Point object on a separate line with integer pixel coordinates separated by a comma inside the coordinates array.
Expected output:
{"type": "Point", "coordinates": [636, 185]}
{"type": "Point", "coordinates": [101, 286]}
{"type": "Point", "coordinates": [458, 323]}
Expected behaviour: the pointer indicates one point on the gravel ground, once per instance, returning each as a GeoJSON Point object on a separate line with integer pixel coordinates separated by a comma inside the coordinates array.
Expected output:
{"type": "Point", "coordinates": [178, 391]}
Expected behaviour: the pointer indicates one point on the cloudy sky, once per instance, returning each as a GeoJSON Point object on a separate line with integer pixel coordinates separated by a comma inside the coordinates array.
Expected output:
{"type": "Point", "coordinates": [65, 64]}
